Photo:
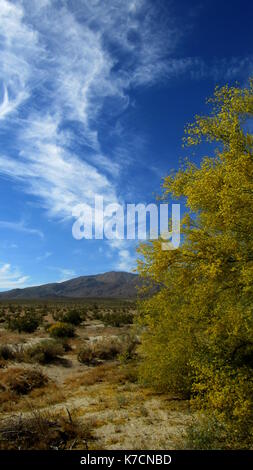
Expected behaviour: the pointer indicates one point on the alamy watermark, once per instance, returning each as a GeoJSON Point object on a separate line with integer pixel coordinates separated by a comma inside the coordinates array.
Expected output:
{"type": "Point", "coordinates": [131, 221]}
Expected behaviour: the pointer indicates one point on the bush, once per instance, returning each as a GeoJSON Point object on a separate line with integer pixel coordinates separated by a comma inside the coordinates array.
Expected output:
{"type": "Point", "coordinates": [104, 349]}
{"type": "Point", "coordinates": [86, 355]}
{"type": "Point", "coordinates": [45, 352]}
{"type": "Point", "coordinates": [65, 344]}
{"type": "Point", "coordinates": [22, 381]}
{"type": "Point", "coordinates": [117, 319]}
{"type": "Point", "coordinates": [114, 318]}
{"type": "Point", "coordinates": [57, 315]}
{"type": "Point", "coordinates": [43, 431]}
{"type": "Point", "coordinates": [2, 316]}
{"type": "Point", "coordinates": [6, 352]}
{"type": "Point", "coordinates": [207, 434]}
{"type": "Point", "coordinates": [61, 330]}
{"type": "Point", "coordinates": [72, 316]}
{"type": "Point", "coordinates": [27, 322]}
{"type": "Point", "coordinates": [107, 349]}
{"type": "Point", "coordinates": [226, 394]}
{"type": "Point", "coordinates": [129, 345]}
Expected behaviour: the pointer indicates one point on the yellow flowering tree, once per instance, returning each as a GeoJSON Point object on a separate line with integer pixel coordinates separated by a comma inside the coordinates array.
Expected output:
{"type": "Point", "coordinates": [198, 335]}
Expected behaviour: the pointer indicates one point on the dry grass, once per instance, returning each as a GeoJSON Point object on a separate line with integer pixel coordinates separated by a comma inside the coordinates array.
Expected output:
{"type": "Point", "coordinates": [22, 381]}
{"type": "Point", "coordinates": [44, 396]}
{"type": "Point", "coordinates": [42, 431]}
{"type": "Point", "coordinates": [110, 372]}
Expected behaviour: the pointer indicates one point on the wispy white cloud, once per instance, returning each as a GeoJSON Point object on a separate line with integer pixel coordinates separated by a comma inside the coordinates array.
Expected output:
{"type": "Point", "coordinates": [68, 56]}
{"type": "Point", "coordinates": [18, 49]}
{"type": "Point", "coordinates": [126, 261]}
{"type": "Point", "coordinates": [11, 278]}
{"type": "Point", "coordinates": [63, 274]}
{"type": "Point", "coordinates": [66, 274]}
{"type": "Point", "coordinates": [45, 256]}
{"type": "Point", "coordinates": [223, 68]}
{"type": "Point", "coordinates": [51, 172]}
{"type": "Point", "coordinates": [20, 227]}
{"type": "Point", "coordinates": [125, 254]}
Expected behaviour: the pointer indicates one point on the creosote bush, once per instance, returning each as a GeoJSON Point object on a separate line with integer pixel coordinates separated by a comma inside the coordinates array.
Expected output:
{"type": "Point", "coordinates": [73, 316]}
{"type": "Point", "coordinates": [27, 322]}
{"type": "Point", "coordinates": [61, 330]}
{"type": "Point", "coordinates": [44, 352]}
{"type": "Point", "coordinates": [116, 318]}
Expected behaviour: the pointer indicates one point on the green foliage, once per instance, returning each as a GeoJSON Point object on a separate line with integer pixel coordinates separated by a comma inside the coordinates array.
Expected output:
{"type": "Point", "coordinates": [207, 434]}
{"type": "Point", "coordinates": [129, 347]}
{"type": "Point", "coordinates": [61, 330]}
{"type": "Point", "coordinates": [73, 316]}
{"type": "Point", "coordinates": [198, 336]}
{"type": "Point", "coordinates": [226, 394]}
{"type": "Point", "coordinates": [114, 317]}
{"type": "Point", "coordinates": [2, 316]}
{"type": "Point", "coordinates": [44, 352]}
{"type": "Point", "coordinates": [27, 322]}
{"type": "Point", "coordinates": [117, 318]}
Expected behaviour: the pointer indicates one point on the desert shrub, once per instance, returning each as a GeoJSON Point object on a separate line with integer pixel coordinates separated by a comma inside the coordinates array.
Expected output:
{"type": "Point", "coordinates": [44, 352]}
{"type": "Point", "coordinates": [107, 348]}
{"type": "Point", "coordinates": [44, 431]}
{"type": "Point", "coordinates": [27, 322]}
{"type": "Point", "coordinates": [6, 352]}
{"type": "Point", "coordinates": [117, 318]}
{"type": "Point", "coordinates": [86, 355]}
{"type": "Point", "coordinates": [103, 349]}
{"type": "Point", "coordinates": [97, 314]}
{"type": "Point", "coordinates": [73, 316]}
{"type": "Point", "coordinates": [2, 316]}
{"type": "Point", "coordinates": [129, 346]}
{"type": "Point", "coordinates": [65, 344]}
{"type": "Point", "coordinates": [22, 381]}
{"type": "Point", "coordinates": [61, 330]}
{"type": "Point", "coordinates": [58, 315]}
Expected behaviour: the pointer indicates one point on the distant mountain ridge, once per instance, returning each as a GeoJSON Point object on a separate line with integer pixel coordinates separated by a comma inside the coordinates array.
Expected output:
{"type": "Point", "coordinates": [113, 284]}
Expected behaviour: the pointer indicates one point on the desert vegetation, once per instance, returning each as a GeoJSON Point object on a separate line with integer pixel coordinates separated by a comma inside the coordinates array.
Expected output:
{"type": "Point", "coordinates": [75, 379]}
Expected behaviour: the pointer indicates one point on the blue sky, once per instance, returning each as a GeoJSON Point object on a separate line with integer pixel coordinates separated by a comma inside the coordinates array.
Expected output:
{"type": "Point", "coordinates": [94, 97]}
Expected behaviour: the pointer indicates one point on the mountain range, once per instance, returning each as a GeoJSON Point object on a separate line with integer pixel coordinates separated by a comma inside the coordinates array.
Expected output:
{"type": "Point", "coordinates": [112, 284]}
